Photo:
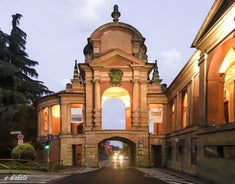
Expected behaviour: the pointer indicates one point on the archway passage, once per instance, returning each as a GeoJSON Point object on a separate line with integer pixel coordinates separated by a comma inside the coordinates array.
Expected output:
{"type": "Point", "coordinates": [117, 151]}
{"type": "Point", "coordinates": [116, 109]}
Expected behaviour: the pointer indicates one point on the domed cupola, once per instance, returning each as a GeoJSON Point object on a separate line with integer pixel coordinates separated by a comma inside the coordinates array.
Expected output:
{"type": "Point", "coordinates": [115, 36]}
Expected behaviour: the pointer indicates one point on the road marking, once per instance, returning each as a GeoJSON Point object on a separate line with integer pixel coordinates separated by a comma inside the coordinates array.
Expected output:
{"type": "Point", "coordinates": [168, 178]}
{"type": "Point", "coordinates": [88, 169]}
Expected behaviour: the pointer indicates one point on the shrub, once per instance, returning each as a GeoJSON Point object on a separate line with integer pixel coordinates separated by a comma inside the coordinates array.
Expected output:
{"type": "Point", "coordinates": [23, 151]}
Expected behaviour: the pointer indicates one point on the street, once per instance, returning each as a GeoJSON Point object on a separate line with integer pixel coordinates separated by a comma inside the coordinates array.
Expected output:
{"type": "Point", "coordinates": [114, 173]}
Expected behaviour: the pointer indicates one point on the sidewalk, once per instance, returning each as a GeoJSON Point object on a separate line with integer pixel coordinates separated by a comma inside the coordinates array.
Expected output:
{"type": "Point", "coordinates": [188, 177]}
{"type": "Point", "coordinates": [67, 171]}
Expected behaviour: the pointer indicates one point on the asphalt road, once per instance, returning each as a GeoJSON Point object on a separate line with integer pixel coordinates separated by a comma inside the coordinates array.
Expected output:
{"type": "Point", "coordinates": [114, 173]}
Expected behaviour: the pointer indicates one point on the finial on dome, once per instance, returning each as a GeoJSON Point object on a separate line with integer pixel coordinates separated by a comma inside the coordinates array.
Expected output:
{"type": "Point", "coordinates": [115, 14]}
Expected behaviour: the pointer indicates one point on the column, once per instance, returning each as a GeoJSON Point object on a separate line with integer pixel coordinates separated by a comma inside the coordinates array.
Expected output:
{"type": "Point", "coordinates": [97, 111]}
{"type": "Point", "coordinates": [40, 122]}
{"type": "Point", "coordinates": [202, 88]}
{"type": "Point", "coordinates": [164, 120]}
{"type": "Point", "coordinates": [135, 102]}
{"type": "Point", "coordinates": [143, 104]}
{"type": "Point", "coordinates": [89, 105]}
{"type": "Point", "coordinates": [178, 112]}
{"type": "Point", "coordinates": [49, 119]}
{"type": "Point", "coordinates": [65, 118]}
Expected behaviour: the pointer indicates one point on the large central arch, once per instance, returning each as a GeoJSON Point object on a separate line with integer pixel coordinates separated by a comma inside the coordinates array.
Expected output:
{"type": "Point", "coordinates": [120, 102]}
{"type": "Point", "coordinates": [131, 145]}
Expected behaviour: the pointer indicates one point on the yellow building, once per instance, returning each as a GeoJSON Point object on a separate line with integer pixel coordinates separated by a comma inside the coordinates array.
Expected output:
{"type": "Point", "coordinates": [200, 115]}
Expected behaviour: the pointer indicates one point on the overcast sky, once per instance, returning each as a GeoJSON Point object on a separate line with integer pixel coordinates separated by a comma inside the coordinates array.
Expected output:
{"type": "Point", "coordinates": [57, 31]}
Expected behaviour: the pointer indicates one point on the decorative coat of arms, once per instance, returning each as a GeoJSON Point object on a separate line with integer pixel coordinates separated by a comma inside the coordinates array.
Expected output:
{"type": "Point", "coordinates": [115, 75]}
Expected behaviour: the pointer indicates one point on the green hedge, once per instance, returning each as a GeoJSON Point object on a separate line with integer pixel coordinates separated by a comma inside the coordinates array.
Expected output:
{"type": "Point", "coordinates": [23, 151]}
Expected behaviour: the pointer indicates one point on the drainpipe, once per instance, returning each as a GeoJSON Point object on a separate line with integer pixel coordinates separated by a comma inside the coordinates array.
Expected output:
{"type": "Point", "coordinates": [59, 98]}
{"type": "Point", "coordinates": [149, 151]}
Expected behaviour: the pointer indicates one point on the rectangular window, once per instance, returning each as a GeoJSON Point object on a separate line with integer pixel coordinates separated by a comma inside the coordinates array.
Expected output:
{"type": "Point", "coordinates": [76, 118]}
{"type": "Point", "coordinates": [229, 152]}
{"type": "Point", "coordinates": [210, 151]}
{"type": "Point", "coordinates": [220, 151]}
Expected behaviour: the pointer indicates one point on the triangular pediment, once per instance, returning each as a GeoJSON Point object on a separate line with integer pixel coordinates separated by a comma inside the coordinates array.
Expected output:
{"type": "Point", "coordinates": [216, 13]}
{"type": "Point", "coordinates": [116, 58]}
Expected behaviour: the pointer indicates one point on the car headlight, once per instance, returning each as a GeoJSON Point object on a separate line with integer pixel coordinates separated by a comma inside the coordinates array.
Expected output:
{"type": "Point", "coordinates": [121, 157]}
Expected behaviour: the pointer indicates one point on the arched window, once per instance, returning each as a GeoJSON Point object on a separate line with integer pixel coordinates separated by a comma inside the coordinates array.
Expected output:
{"type": "Point", "coordinates": [55, 122]}
{"type": "Point", "coordinates": [172, 115]}
{"type": "Point", "coordinates": [185, 110]}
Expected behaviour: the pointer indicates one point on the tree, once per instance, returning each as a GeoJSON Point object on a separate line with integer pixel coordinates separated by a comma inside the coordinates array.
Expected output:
{"type": "Point", "coordinates": [29, 87]}
{"type": "Point", "coordinates": [18, 88]}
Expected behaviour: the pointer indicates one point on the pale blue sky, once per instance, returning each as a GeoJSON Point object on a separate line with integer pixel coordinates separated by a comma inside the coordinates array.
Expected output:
{"type": "Point", "coordinates": [57, 31]}
{"type": "Point", "coordinates": [113, 115]}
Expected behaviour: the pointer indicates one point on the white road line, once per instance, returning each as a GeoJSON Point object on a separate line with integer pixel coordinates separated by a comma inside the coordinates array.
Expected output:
{"type": "Point", "coordinates": [169, 178]}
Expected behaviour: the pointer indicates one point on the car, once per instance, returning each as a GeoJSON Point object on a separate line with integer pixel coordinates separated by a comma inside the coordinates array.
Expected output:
{"type": "Point", "coordinates": [118, 156]}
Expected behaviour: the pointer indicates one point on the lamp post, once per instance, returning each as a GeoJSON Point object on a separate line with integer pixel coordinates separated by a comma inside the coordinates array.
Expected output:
{"type": "Point", "coordinates": [47, 147]}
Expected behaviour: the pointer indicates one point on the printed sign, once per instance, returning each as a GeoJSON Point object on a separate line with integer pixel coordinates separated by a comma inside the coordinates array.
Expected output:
{"type": "Point", "coordinates": [155, 115]}
{"type": "Point", "coordinates": [76, 115]}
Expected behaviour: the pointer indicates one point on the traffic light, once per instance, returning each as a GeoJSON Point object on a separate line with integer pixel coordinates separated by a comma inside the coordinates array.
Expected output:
{"type": "Point", "coordinates": [47, 145]}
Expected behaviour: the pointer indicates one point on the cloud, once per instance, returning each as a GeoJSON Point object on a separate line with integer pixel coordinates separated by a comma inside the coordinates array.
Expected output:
{"type": "Point", "coordinates": [170, 62]}
{"type": "Point", "coordinates": [171, 56]}
{"type": "Point", "coordinates": [86, 13]}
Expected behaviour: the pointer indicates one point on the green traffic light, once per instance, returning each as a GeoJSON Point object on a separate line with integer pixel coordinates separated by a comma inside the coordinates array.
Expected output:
{"type": "Point", "coordinates": [47, 146]}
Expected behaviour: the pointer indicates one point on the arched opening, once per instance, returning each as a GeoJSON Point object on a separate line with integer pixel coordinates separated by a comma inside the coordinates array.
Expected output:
{"type": "Point", "coordinates": [185, 110]}
{"type": "Point", "coordinates": [117, 152]}
{"type": "Point", "coordinates": [172, 117]}
{"type": "Point", "coordinates": [116, 109]}
{"type": "Point", "coordinates": [227, 70]}
{"type": "Point", "coordinates": [113, 115]}
{"type": "Point", "coordinates": [218, 72]}
{"type": "Point", "coordinates": [229, 95]}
